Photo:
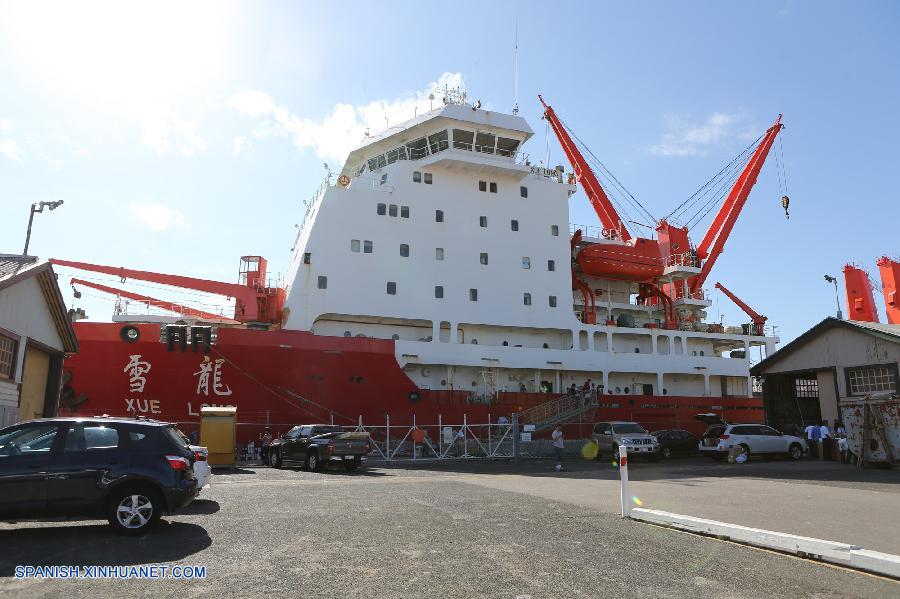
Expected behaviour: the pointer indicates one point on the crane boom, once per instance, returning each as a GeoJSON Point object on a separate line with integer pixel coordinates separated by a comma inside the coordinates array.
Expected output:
{"type": "Point", "coordinates": [150, 301]}
{"type": "Point", "coordinates": [584, 175]}
{"type": "Point", "coordinates": [758, 319]}
{"type": "Point", "coordinates": [246, 305]}
{"type": "Point", "coordinates": [714, 241]}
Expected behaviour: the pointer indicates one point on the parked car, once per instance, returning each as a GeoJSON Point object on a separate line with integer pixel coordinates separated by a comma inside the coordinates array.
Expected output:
{"type": "Point", "coordinates": [314, 445]}
{"type": "Point", "coordinates": [754, 439]}
{"type": "Point", "coordinates": [674, 442]}
{"type": "Point", "coordinates": [129, 470]}
{"type": "Point", "coordinates": [610, 435]}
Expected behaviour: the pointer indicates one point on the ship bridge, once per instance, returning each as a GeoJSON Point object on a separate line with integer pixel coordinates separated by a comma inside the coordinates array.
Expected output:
{"type": "Point", "coordinates": [454, 136]}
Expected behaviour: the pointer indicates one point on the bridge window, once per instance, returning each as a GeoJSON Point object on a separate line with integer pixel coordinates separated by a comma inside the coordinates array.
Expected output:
{"type": "Point", "coordinates": [438, 253]}
{"type": "Point", "coordinates": [482, 186]}
{"type": "Point", "coordinates": [428, 179]}
{"type": "Point", "coordinates": [404, 211]}
{"type": "Point", "coordinates": [404, 250]}
{"type": "Point", "coordinates": [438, 216]}
{"type": "Point", "coordinates": [482, 221]}
{"type": "Point", "coordinates": [323, 282]}
{"type": "Point", "coordinates": [439, 291]}
{"type": "Point", "coordinates": [527, 299]}
{"type": "Point", "coordinates": [438, 142]}
{"type": "Point", "coordinates": [367, 247]}
{"type": "Point", "coordinates": [485, 142]}
{"type": "Point", "coordinates": [381, 209]}
{"type": "Point", "coordinates": [507, 146]}
{"type": "Point", "coordinates": [354, 245]}
{"type": "Point", "coordinates": [417, 148]}
{"type": "Point", "coordinates": [554, 230]}
{"type": "Point", "coordinates": [551, 265]}
{"type": "Point", "coordinates": [392, 210]}
{"type": "Point", "coordinates": [514, 225]}
{"type": "Point", "coordinates": [523, 191]}
{"type": "Point", "coordinates": [526, 262]}
{"type": "Point", "coordinates": [391, 288]}
{"type": "Point", "coordinates": [483, 258]}
{"type": "Point", "coordinates": [473, 295]}
{"type": "Point", "coordinates": [493, 187]}
{"type": "Point", "coordinates": [417, 177]}
{"type": "Point", "coordinates": [463, 139]}
{"type": "Point", "coordinates": [552, 301]}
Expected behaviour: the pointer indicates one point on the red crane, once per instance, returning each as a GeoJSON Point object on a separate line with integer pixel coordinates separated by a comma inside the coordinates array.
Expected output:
{"type": "Point", "coordinates": [759, 321]}
{"type": "Point", "coordinates": [254, 302]}
{"type": "Point", "coordinates": [714, 241]}
{"type": "Point", "coordinates": [150, 301]}
{"type": "Point", "coordinates": [586, 177]}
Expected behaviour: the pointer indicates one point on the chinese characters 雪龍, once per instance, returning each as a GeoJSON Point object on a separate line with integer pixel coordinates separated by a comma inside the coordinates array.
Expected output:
{"type": "Point", "coordinates": [136, 369]}
{"type": "Point", "coordinates": [208, 367]}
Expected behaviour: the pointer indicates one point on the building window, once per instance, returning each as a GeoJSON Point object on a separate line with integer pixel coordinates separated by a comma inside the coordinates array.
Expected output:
{"type": "Point", "coordinates": [872, 379]}
{"type": "Point", "coordinates": [323, 282]}
{"type": "Point", "coordinates": [392, 210]}
{"type": "Point", "coordinates": [551, 265]}
{"type": "Point", "coordinates": [554, 230]}
{"type": "Point", "coordinates": [493, 187]}
{"type": "Point", "coordinates": [404, 250]}
{"type": "Point", "coordinates": [307, 257]}
{"type": "Point", "coordinates": [527, 299]}
{"type": "Point", "coordinates": [473, 295]}
{"type": "Point", "coordinates": [391, 288]}
{"type": "Point", "coordinates": [514, 225]}
{"type": "Point", "coordinates": [438, 216]}
{"type": "Point", "coordinates": [427, 178]}
{"type": "Point", "coordinates": [367, 247]}
{"type": "Point", "coordinates": [438, 253]}
{"type": "Point", "coordinates": [438, 292]}
{"type": "Point", "coordinates": [552, 301]}
{"type": "Point", "coordinates": [404, 211]}
{"type": "Point", "coordinates": [483, 258]}
{"type": "Point", "coordinates": [381, 209]}
{"type": "Point", "coordinates": [417, 177]}
{"type": "Point", "coordinates": [523, 191]}
{"type": "Point", "coordinates": [8, 348]}
{"type": "Point", "coordinates": [482, 186]}
{"type": "Point", "coordinates": [354, 245]}
{"type": "Point", "coordinates": [526, 262]}
{"type": "Point", "coordinates": [806, 387]}
{"type": "Point", "coordinates": [482, 220]}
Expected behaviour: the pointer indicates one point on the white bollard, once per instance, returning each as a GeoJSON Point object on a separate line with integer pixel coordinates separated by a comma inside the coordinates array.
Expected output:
{"type": "Point", "coordinates": [623, 474]}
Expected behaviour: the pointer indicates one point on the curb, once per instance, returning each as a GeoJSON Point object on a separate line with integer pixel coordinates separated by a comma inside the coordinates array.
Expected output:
{"type": "Point", "coordinates": [844, 554]}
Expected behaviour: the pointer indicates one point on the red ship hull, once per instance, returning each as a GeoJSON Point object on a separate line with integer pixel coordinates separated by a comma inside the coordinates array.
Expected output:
{"type": "Point", "coordinates": [283, 378]}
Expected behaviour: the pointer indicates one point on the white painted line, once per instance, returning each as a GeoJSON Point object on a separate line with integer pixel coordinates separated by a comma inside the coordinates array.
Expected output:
{"type": "Point", "coordinates": [834, 552]}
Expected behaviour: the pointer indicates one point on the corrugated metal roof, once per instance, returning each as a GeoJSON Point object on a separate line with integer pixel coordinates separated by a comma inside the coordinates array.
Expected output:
{"type": "Point", "coordinates": [11, 264]}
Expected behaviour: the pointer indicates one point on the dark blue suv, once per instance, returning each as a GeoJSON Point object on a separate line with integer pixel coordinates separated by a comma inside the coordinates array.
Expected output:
{"type": "Point", "coordinates": [129, 470]}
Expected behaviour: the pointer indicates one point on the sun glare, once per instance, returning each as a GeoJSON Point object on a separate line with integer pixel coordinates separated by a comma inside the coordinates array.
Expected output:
{"type": "Point", "coordinates": [125, 54]}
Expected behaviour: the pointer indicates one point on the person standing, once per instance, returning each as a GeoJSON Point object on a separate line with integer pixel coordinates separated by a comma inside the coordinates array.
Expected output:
{"type": "Point", "coordinates": [558, 444]}
{"type": "Point", "coordinates": [265, 441]}
{"type": "Point", "coordinates": [827, 442]}
{"type": "Point", "coordinates": [813, 434]}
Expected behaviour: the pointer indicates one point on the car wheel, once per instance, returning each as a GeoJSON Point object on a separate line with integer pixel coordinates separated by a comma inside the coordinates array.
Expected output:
{"type": "Point", "coordinates": [746, 449]}
{"type": "Point", "coordinates": [313, 462]}
{"type": "Point", "coordinates": [134, 510]}
{"type": "Point", "coordinates": [275, 459]}
{"type": "Point", "coordinates": [795, 452]}
{"type": "Point", "coordinates": [666, 452]}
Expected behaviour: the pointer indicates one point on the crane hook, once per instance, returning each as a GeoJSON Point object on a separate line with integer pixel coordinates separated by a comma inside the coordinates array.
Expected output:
{"type": "Point", "coordinates": [785, 202]}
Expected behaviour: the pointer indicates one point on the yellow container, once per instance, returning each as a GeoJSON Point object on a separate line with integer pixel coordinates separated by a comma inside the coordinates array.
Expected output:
{"type": "Point", "coordinates": [218, 426]}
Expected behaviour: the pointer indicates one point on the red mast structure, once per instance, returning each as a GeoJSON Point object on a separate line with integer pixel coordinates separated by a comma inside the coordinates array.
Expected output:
{"type": "Point", "coordinates": [759, 321]}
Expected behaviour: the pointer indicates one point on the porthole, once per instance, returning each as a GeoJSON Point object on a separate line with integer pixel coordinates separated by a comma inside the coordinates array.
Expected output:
{"type": "Point", "coordinates": [474, 342]}
{"type": "Point", "coordinates": [348, 334]}
{"type": "Point", "coordinates": [395, 337]}
{"type": "Point", "coordinates": [505, 343]}
{"type": "Point", "coordinates": [130, 334]}
{"type": "Point", "coordinates": [618, 389]}
{"type": "Point", "coordinates": [546, 346]}
{"type": "Point", "coordinates": [626, 390]}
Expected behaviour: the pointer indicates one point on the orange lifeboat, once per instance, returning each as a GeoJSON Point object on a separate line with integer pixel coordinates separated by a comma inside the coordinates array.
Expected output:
{"type": "Point", "coordinates": [637, 260]}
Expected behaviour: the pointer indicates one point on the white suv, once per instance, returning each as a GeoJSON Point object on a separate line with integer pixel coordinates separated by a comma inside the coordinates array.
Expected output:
{"type": "Point", "coordinates": [753, 438]}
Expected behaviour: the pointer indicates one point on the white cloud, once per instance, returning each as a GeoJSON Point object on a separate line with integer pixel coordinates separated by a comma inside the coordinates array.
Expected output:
{"type": "Point", "coordinates": [11, 149]}
{"type": "Point", "coordinates": [238, 145]}
{"type": "Point", "coordinates": [157, 216]}
{"type": "Point", "coordinates": [691, 139]}
{"type": "Point", "coordinates": [81, 153]}
{"type": "Point", "coordinates": [165, 135]}
{"type": "Point", "coordinates": [38, 149]}
{"type": "Point", "coordinates": [5, 124]}
{"type": "Point", "coordinates": [345, 126]}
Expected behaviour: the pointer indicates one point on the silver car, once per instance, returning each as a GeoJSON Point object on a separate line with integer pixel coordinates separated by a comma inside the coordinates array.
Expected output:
{"type": "Point", "coordinates": [637, 440]}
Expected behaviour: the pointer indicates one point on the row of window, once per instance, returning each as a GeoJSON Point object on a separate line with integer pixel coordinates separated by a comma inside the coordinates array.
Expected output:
{"type": "Point", "coordinates": [382, 209]}
{"type": "Point", "coordinates": [417, 178]}
{"type": "Point", "coordinates": [391, 289]}
{"type": "Point", "coordinates": [368, 247]}
{"type": "Point", "coordinates": [492, 187]}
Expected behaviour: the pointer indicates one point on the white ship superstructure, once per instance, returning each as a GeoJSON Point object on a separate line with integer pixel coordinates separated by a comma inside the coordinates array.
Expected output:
{"type": "Point", "coordinates": [442, 235]}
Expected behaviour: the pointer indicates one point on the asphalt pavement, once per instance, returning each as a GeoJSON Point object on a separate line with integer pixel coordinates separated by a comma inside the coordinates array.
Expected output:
{"type": "Point", "coordinates": [461, 530]}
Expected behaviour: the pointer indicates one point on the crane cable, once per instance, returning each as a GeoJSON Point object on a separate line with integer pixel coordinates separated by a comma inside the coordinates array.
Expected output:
{"type": "Point", "coordinates": [629, 197]}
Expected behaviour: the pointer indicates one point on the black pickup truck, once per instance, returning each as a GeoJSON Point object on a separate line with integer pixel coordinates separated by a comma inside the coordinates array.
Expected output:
{"type": "Point", "coordinates": [314, 445]}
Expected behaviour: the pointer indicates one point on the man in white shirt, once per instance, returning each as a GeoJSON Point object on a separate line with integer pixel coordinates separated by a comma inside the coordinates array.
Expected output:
{"type": "Point", "coordinates": [558, 444]}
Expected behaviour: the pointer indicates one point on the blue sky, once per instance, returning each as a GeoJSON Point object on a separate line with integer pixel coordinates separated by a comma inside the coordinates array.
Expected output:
{"type": "Point", "coordinates": [181, 136]}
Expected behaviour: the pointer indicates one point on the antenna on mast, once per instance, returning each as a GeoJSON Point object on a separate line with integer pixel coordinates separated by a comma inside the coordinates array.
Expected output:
{"type": "Point", "coordinates": [516, 106]}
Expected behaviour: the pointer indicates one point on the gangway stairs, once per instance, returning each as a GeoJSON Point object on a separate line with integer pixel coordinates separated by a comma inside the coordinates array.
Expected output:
{"type": "Point", "coordinates": [558, 411]}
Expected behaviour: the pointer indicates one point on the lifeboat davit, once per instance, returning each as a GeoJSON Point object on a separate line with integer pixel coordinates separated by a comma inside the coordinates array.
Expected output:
{"type": "Point", "coordinates": [638, 260]}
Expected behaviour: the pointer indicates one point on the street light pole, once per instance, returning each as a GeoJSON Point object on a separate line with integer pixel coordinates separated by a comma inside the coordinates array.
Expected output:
{"type": "Point", "coordinates": [837, 300]}
{"type": "Point", "coordinates": [38, 208]}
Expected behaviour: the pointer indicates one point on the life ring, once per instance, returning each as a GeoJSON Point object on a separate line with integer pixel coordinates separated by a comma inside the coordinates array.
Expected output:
{"type": "Point", "coordinates": [607, 233]}
{"type": "Point", "coordinates": [343, 180]}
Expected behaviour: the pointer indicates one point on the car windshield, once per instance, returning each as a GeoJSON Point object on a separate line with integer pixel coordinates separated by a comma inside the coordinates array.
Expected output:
{"type": "Point", "coordinates": [327, 430]}
{"type": "Point", "coordinates": [629, 428]}
{"type": "Point", "coordinates": [294, 432]}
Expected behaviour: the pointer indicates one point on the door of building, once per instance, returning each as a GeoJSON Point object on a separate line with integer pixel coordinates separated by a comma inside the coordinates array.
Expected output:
{"type": "Point", "coordinates": [34, 384]}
